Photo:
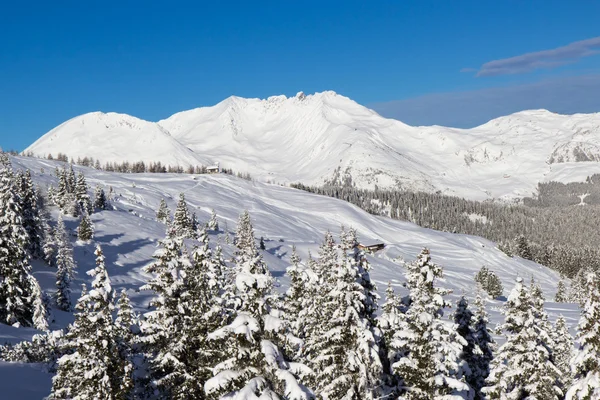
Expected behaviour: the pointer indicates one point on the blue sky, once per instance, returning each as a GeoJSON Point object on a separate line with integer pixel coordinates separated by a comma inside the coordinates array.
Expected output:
{"type": "Point", "coordinates": [425, 62]}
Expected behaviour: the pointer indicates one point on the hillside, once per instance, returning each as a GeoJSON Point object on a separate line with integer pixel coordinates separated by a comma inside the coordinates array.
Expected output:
{"type": "Point", "coordinates": [327, 137]}
{"type": "Point", "coordinates": [113, 137]}
{"type": "Point", "coordinates": [283, 216]}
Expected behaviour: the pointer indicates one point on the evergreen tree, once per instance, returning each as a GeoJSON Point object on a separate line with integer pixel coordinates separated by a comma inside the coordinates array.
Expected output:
{"type": "Point", "coordinates": [464, 319]}
{"type": "Point", "coordinates": [181, 219]}
{"type": "Point", "coordinates": [561, 292]}
{"type": "Point", "coordinates": [100, 201]}
{"type": "Point", "coordinates": [194, 224]}
{"type": "Point", "coordinates": [163, 213]}
{"type": "Point", "coordinates": [261, 244]}
{"type": "Point", "coordinates": [586, 363]}
{"type": "Point", "coordinates": [95, 369]}
{"type": "Point", "coordinates": [428, 349]}
{"type": "Point", "coordinates": [346, 349]}
{"type": "Point", "coordinates": [523, 249]}
{"type": "Point", "coordinates": [562, 350]}
{"type": "Point", "coordinates": [32, 218]}
{"type": "Point", "coordinates": [20, 297]}
{"type": "Point", "coordinates": [251, 363]}
{"type": "Point", "coordinates": [81, 193]}
{"type": "Point", "coordinates": [65, 267]}
{"type": "Point", "coordinates": [480, 366]}
{"type": "Point", "coordinates": [213, 223]}
{"type": "Point", "coordinates": [85, 231]}
{"type": "Point", "coordinates": [523, 367]}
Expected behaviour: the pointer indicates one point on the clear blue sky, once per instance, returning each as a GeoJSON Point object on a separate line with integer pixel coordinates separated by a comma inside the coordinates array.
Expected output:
{"type": "Point", "coordinates": [406, 59]}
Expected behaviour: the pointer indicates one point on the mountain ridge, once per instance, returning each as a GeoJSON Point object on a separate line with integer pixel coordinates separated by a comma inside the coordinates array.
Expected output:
{"type": "Point", "coordinates": [327, 137]}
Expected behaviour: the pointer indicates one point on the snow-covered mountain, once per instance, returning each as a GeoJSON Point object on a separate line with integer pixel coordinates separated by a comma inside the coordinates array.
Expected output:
{"type": "Point", "coordinates": [113, 137]}
{"type": "Point", "coordinates": [327, 137]}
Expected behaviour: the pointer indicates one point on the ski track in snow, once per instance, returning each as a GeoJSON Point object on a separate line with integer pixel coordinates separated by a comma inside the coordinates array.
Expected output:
{"type": "Point", "coordinates": [129, 238]}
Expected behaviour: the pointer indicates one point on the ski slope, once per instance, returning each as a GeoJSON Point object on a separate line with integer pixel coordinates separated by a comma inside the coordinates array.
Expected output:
{"type": "Point", "coordinates": [326, 137]}
{"type": "Point", "coordinates": [285, 217]}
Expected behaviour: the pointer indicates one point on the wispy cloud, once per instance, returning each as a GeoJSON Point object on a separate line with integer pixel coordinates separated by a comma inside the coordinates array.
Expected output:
{"type": "Point", "coordinates": [565, 95]}
{"type": "Point", "coordinates": [541, 59]}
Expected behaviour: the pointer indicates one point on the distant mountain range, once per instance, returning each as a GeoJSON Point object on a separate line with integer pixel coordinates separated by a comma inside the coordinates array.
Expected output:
{"type": "Point", "coordinates": [326, 138]}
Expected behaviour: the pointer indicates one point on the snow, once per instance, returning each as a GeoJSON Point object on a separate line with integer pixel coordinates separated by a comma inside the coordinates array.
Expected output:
{"type": "Point", "coordinates": [129, 232]}
{"type": "Point", "coordinates": [324, 136]}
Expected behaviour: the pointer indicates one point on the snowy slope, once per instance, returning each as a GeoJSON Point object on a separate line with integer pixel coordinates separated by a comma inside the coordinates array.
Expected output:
{"type": "Point", "coordinates": [283, 216]}
{"type": "Point", "coordinates": [115, 137]}
{"type": "Point", "coordinates": [324, 137]}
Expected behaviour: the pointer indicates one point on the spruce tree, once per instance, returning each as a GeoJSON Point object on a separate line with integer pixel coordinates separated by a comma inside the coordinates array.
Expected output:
{"type": "Point", "coordinates": [563, 350]}
{"type": "Point", "coordinates": [32, 217]}
{"type": "Point", "coordinates": [251, 363]}
{"type": "Point", "coordinates": [95, 369]}
{"type": "Point", "coordinates": [181, 219]}
{"type": "Point", "coordinates": [163, 214]}
{"type": "Point", "coordinates": [100, 201]}
{"type": "Point", "coordinates": [85, 231]}
{"type": "Point", "coordinates": [81, 193]}
{"type": "Point", "coordinates": [19, 291]}
{"type": "Point", "coordinates": [65, 267]}
{"type": "Point", "coordinates": [346, 357]}
{"type": "Point", "coordinates": [561, 292]}
{"type": "Point", "coordinates": [480, 366]}
{"type": "Point", "coordinates": [428, 349]}
{"type": "Point", "coordinates": [213, 223]}
{"type": "Point", "coordinates": [523, 367]}
{"type": "Point", "coordinates": [586, 363]}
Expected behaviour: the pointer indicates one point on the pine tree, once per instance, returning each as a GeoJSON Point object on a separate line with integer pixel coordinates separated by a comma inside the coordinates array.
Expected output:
{"type": "Point", "coordinates": [561, 292]}
{"type": "Point", "coordinates": [463, 319]}
{"type": "Point", "coordinates": [562, 350]}
{"type": "Point", "coordinates": [251, 363]}
{"type": "Point", "coordinates": [295, 295]}
{"type": "Point", "coordinates": [96, 368]}
{"type": "Point", "coordinates": [523, 249]}
{"type": "Point", "coordinates": [81, 193]}
{"type": "Point", "coordinates": [100, 201]}
{"type": "Point", "coordinates": [163, 214]}
{"type": "Point", "coordinates": [523, 367]}
{"type": "Point", "coordinates": [20, 297]}
{"type": "Point", "coordinates": [261, 244]}
{"type": "Point", "coordinates": [346, 361]}
{"type": "Point", "coordinates": [65, 267]}
{"type": "Point", "coordinates": [586, 363]}
{"type": "Point", "coordinates": [194, 224]}
{"type": "Point", "coordinates": [213, 223]}
{"type": "Point", "coordinates": [181, 220]}
{"type": "Point", "coordinates": [32, 219]}
{"type": "Point", "coordinates": [429, 349]}
{"type": "Point", "coordinates": [85, 231]}
{"type": "Point", "coordinates": [480, 366]}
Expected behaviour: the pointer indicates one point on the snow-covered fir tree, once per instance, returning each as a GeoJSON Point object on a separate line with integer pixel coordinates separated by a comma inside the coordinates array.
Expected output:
{"type": "Point", "coordinates": [194, 223]}
{"type": "Point", "coordinates": [523, 366]}
{"type": "Point", "coordinates": [32, 214]}
{"type": "Point", "coordinates": [95, 369]}
{"type": "Point", "coordinates": [163, 214]}
{"type": "Point", "coordinates": [295, 295]}
{"type": "Point", "coordinates": [563, 350]}
{"type": "Point", "coordinates": [85, 231]}
{"type": "Point", "coordinates": [213, 223]}
{"type": "Point", "coordinates": [182, 223]}
{"type": "Point", "coordinates": [480, 365]}
{"type": "Point", "coordinates": [20, 297]}
{"type": "Point", "coordinates": [252, 364]}
{"type": "Point", "coordinates": [100, 201]}
{"type": "Point", "coordinates": [81, 194]}
{"type": "Point", "coordinates": [65, 266]}
{"type": "Point", "coordinates": [428, 348]}
{"type": "Point", "coordinates": [561, 292]}
{"type": "Point", "coordinates": [585, 365]}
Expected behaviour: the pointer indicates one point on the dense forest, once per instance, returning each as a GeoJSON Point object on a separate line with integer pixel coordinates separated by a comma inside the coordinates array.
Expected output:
{"type": "Point", "coordinates": [561, 237]}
